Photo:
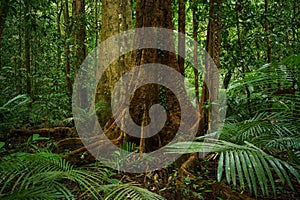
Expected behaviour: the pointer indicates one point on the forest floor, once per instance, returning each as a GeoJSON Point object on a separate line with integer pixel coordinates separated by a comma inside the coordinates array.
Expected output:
{"type": "Point", "coordinates": [165, 182]}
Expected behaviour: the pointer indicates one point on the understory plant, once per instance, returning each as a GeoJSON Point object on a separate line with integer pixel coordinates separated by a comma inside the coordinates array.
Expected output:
{"type": "Point", "coordinates": [45, 175]}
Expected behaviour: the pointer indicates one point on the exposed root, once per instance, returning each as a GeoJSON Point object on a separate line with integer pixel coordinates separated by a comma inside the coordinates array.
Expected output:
{"type": "Point", "coordinates": [60, 132]}
{"type": "Point", "coordinates": [188, 164]}
{"type": "Point", "coordinates": [103, 144]}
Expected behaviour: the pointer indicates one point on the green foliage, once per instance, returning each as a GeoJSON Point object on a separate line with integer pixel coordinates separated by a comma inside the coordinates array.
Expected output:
{"type": "Point", "coordinates": [13, 112]}
{"type": "Point", "coordinates": [33, 139]}
{"type": "Point", "coordinates": [246, 164]}
{"type": "Point", "coordinates": [128, 191]}
{"type": "Point", "coordinates": [41, 176]}
{"type": "Point", "coordinates": [45, 175]}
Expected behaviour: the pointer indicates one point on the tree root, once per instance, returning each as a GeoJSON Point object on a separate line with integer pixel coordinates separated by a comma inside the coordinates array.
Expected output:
{"type": "Point", "coordinates": [59, 132]}
{"type": "Point", "coordinates": [103, 144]}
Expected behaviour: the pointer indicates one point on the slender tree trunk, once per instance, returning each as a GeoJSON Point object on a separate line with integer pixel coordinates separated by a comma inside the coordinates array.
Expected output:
{"type": "Point", "coordinates": [79, 32]}
{"type": "Point", "coordinates": [240, 54]}
{"type": "Point", "coordinates": [181, 40]}
{"type": "Point", "coordinates": [96, 23]}
{"type": "Point", "coordinates": [27, 38]}
{"type": "Point", "coordinates": [67, 49]}
{"type": "Point", "coordinates": [196, 65]}
{"type": "Point", "coordinates": [3, 13]}
{"type": "Point", "coordinates": [79, 35]}
{"type": "Point", "coordinates": [19, 77]}
{"type": "Point", "coordinates": [267, 32]}
{"type": "Point", "coordinates": [210, 87]}
{"type": "Point", "coordinates": [209, 112]}
{"type": "Point", "coordinates": [268, 50]}
{"type": "Point", "coordinates": [59, 10]}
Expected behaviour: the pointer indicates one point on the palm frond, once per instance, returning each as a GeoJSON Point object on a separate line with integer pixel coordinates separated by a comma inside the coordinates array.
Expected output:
{"type": "Point", "coordinates": [244, 164]}
{"type": "Point", "coordinates": [25, 174]}
{"type": "Point", "coordinates": [128, 191]}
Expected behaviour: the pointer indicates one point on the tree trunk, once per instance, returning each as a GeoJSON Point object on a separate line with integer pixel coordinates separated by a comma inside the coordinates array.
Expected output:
{"type": "Point", "coordinates": [27, 38]}
{"type": "Point", "coordinates": [59, 9]}
{"type": "Point", "coordinates": [209, 112]}
{"type": "Point", "coordinates": [196, 66]}
{"type": "Point", "coordinates": [268, 52]}
{"type": "Point", "coordinates": [67, 50]}
{"type": "Point", "coordinates": [210, 87]}
{"type": "Point", "coordinates": [240, 54]}
{"type": "Point", "coordinates": [3, 12]}
{"type": "Point", "coordinates": [154, 13]}
{"type": "Point", "coordinates": [116, 17]}
{"type": "Point", "coordinates": [181, 40]}
{"type": "Point", "coordinates": [79, 34]}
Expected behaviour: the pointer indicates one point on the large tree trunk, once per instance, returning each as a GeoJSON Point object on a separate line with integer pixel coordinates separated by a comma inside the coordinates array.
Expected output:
{"type": "Point", "coordinates": [116, 17]}
{"type": "Point", "coordinates": [139, 102]}
{"type": "Point", "coordinates": [154, 13]}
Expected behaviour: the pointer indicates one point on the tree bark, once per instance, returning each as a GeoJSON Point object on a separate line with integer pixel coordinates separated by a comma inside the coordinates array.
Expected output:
{"type": "Point", "coordinates": [59, 9]}
{"type": "Point", "coordinates": [79, 35]}
{"type": "Point", "coordinates": [240, 54]}
{"type": "Point", "coordinates": [116, 18]}
{"type": "Point", "coordinates": [67, 49]}
{"type": "Point", "coordinates": [209, 112]}
{"type": "Point", "coordinates": [181, 40]}
{"type": "Point", "coordinates": [210, 87]}
{"type": "Point", "coordinates": [154, 13]}
{"type": "Point", "coordinates": [196, 65]}
{"type": "Point", "coordinates": [27, 38]}
{"type": "Point", "coordinates": [3, 13]}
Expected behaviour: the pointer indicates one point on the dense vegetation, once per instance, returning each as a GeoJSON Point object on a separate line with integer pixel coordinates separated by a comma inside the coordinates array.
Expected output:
{"type": "Point", "coordinates": [256, 47]}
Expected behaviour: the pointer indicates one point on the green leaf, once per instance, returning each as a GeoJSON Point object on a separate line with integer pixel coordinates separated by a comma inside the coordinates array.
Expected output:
{"type": "Point", "coordinates": [227, 167]}
{"type": "Point", "coordinates": [251, 172]}
{"type": "Point", "coordinates": [232, 167]}
{"type": "Point", "coordinates": [220, 166]}
{"type": "Point", "coordinates": [245, 169]}
{"type": "Point", "coordinates": [2, 144]}
{"type": "Point", "coordinates": [239, 169]}
{"type": "Point", "coordinates": [269, 173]}
{"type": "Point", "coordinates": [284, 173]}
{"type": "Point", "coordinates": [259, 173]}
